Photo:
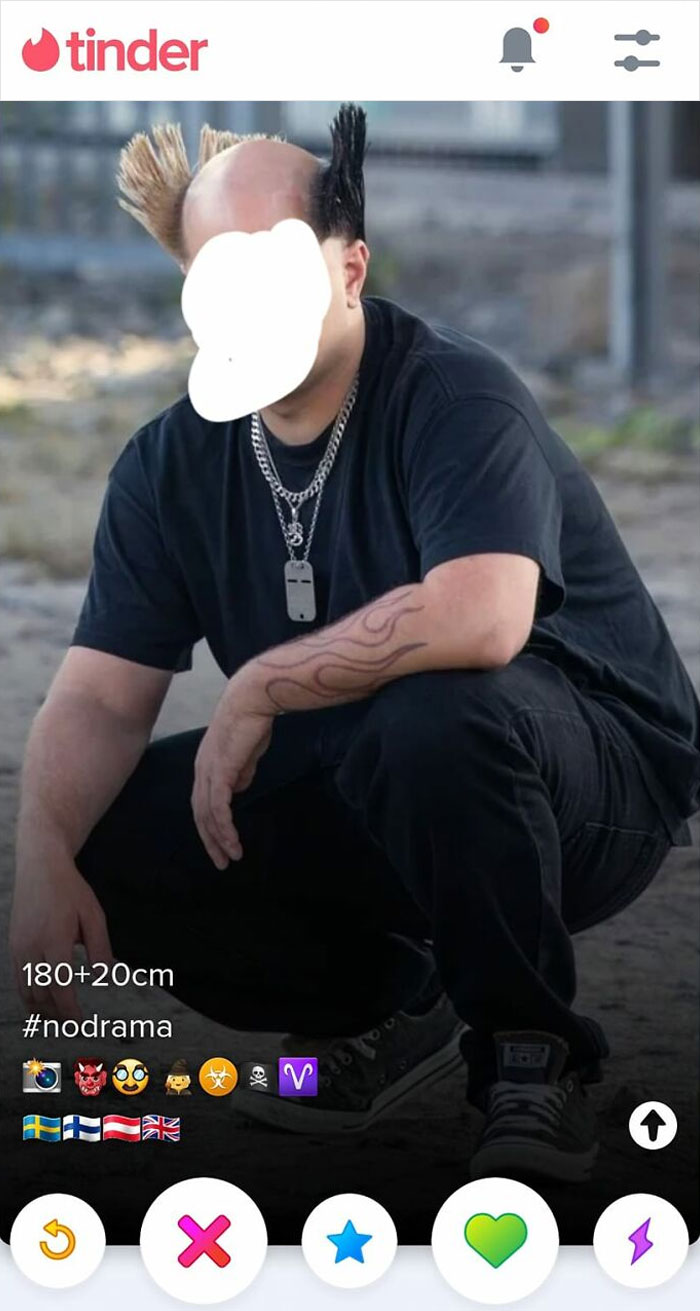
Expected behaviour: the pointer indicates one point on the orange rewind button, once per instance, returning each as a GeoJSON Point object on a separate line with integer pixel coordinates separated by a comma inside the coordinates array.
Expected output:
{"type": "Point", "coordinates": [57, 1240]}
{"type": "Point", "coordinates": [66, 1249]}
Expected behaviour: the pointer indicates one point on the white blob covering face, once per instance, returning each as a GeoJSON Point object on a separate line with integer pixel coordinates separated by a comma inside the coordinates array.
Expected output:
{"type": "Point", "coordinates": [255, 305]}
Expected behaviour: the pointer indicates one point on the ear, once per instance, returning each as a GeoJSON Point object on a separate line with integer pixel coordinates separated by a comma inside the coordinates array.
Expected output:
{"type": "Point", "coordinates": [356, 260]}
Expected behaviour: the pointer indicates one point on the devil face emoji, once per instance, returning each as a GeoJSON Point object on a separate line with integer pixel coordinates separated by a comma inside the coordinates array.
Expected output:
{"type": "Point", "coordinates": [130, 1077]}
{"type": "Point", "coordinates": [90, 1077]}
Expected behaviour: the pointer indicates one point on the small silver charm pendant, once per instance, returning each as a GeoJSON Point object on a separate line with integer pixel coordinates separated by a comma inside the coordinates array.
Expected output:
{"type": "Point", "coordinates": [299, 588]}
{"type": "Point", "coordinates": [295, 531]}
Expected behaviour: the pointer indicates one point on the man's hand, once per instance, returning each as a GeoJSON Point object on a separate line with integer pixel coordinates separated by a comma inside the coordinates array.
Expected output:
{"type": "Point", "coordinates": [237, 737]}
{"type": "Point", "coordinates": [53, 909]}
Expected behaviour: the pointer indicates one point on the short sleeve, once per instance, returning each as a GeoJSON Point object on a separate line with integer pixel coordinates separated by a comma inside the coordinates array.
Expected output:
{"type": "Point", "coordinates": [479, 483]}
{"type": "Point", "coordinates": [136, 605]}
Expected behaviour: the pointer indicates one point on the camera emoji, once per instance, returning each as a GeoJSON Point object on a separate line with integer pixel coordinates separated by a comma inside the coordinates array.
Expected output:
{"type": "Point", "coordinates": [41, 1076]}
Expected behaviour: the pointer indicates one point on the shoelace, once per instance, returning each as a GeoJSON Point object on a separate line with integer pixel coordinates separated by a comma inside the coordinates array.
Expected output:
{"type": "Point", "coordinates": [342, 1053]}
{"type": "Point", "coordinates": [516, 1105]}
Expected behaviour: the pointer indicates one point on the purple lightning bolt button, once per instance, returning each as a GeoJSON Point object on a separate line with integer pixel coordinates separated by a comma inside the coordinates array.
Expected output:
{"type": "Point", "coordinates": [641, 1243]}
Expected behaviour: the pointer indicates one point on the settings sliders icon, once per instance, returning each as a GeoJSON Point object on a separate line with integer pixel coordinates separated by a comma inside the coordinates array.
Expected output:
{"type": "Point", "coordinates": [642, 38]}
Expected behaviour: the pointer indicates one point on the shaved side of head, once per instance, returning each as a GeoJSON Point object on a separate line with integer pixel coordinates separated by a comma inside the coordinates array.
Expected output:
{"type": "Point", "coordinates": [248, 187]}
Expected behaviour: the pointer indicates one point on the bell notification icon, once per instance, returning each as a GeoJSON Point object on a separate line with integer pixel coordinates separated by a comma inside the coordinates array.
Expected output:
{"type": "Point", "coordinates": [517, 45]}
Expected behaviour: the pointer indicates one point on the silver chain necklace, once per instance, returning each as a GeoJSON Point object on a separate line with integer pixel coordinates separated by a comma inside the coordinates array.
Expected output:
{"type": "Point", "coordinates": [298, 573]}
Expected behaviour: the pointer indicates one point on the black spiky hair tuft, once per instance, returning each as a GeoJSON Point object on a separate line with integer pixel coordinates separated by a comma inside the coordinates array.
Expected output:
{"type": "Point", "coordinates": [338, 198]}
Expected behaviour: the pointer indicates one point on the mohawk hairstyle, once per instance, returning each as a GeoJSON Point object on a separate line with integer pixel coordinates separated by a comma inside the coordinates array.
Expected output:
{"type": "Point", "coordinates": [338, 197]}
{"type": "Point", "coordinates": [153, 177]}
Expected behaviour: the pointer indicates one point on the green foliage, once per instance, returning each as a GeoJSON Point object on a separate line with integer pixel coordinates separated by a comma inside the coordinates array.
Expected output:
{"type": "Point", "coordinates": [17, 416]}
{"type": "Point", "coordinates": [644, 428]}
{"type": "Point", "coordinates": [383, 275]}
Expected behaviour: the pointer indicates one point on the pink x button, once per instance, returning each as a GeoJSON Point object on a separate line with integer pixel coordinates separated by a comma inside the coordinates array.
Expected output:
{"type": "Point", "coordinates": [230, 1261]}
{"type": "Point", "coordinates": [204, 1241]}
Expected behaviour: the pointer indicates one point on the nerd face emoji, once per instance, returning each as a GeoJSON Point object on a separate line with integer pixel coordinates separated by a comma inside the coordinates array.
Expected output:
{"type": "Point", "coordinates": [130, 1077]}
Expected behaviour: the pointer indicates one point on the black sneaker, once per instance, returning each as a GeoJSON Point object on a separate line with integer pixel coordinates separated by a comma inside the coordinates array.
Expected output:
{"type": "Point", "coordinates": [361, 1078]}
{"type": "Point", "coordinates": [539, 1120]}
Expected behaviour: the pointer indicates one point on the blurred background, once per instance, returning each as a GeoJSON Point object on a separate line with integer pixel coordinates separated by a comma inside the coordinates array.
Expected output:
{"type": "Point", "coordinates": [567, 237]}
{"type": "Point", "coordinates": [564, 235]}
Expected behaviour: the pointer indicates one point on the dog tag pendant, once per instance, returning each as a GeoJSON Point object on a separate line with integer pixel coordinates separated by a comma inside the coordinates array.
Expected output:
{"type": "Point", "coordinates": [299, 587]}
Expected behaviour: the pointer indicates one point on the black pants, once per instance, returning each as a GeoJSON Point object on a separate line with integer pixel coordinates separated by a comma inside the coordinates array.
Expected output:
{"type": "Point", "coordinates": [468, 820]}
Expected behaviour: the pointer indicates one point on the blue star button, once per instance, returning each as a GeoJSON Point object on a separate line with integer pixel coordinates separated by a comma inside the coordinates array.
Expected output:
{"type": "Point", "coordinates": [348, 1266]}
{"type": "Point", "coordinates": [349, 1243]}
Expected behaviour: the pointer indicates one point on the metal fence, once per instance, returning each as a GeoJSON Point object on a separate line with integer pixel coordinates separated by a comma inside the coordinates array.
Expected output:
{"type": "Point", "coordinates": [58, 159]}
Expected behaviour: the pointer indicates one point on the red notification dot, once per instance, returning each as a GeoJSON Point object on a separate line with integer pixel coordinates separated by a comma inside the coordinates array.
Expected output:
{"type": "Point", "coordinates": [541, 25]}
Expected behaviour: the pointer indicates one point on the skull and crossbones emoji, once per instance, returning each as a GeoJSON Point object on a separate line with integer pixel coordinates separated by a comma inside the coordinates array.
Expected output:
{"type": "Point", "coordinates": [258, 1077]}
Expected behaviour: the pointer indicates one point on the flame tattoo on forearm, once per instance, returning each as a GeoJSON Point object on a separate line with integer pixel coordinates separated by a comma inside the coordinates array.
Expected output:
{"type": "Point", "coordinates": [349, 660]}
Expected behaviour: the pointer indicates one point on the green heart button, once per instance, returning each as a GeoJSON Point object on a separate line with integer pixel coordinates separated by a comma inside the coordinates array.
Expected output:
{"type": "Point", "coordinates": [495, 1238]}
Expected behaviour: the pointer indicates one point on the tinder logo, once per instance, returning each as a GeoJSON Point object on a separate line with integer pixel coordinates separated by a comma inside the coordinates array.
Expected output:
{"type": "Point", "coordinates": [93, 54]}
{"type": "Point", "coordinates": [43, 54]}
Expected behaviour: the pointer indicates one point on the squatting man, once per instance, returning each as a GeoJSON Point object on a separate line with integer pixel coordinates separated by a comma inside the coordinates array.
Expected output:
{"type": "Point", "coordinates": [404, 807]}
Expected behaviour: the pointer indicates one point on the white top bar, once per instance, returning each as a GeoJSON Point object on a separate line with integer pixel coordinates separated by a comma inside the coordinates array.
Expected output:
{"type": "Point", "coordinates": [351, 49]}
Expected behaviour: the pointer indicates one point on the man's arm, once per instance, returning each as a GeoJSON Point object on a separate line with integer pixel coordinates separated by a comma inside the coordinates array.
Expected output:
{"type": "Point", "coordinates": [470, 613]}
{"type": "Point", "coordinates": [474, 613]}
{"type": "Point", "coordinates": [85, 742]}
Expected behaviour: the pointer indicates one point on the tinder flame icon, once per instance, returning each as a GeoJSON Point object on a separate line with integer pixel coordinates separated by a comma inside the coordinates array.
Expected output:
{"type": "Point", "coordinates": [43, 54]}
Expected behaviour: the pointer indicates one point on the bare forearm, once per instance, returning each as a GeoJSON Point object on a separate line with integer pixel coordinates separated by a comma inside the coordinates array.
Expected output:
{"type": "Point", "coordinates": [77, 759]}
{"type": "Point", "coordinates": [403, 632]}
{"type": "Point", "coordinates": [473, 612]}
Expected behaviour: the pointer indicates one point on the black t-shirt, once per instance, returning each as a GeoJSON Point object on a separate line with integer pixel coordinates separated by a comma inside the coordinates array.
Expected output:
{"type": "Point", "coordinates": [445, 455]}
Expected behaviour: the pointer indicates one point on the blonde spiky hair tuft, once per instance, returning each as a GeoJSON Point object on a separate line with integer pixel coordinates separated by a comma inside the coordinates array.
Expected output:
{"type": "Point", "coordinates": [153, 177]}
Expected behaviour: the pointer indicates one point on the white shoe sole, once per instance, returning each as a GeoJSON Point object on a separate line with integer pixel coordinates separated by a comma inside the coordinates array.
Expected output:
{"type": "Point", "coordinates": [297, 1117]}
{"type": "Point", "coordinates": [508, 1159]}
